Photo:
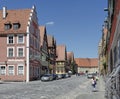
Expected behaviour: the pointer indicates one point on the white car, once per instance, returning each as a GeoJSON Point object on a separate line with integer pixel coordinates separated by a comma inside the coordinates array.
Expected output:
{"type": "Point", "coordinates": [47, 77]}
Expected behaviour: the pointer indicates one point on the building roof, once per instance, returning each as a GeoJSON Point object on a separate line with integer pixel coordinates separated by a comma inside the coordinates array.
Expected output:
{"type": "Point", "coordinates": [42, 33]}
{"type": "Point", "coordinates": [61, 53]}
{"type": "Point", "coordinates": [50, 40]}
{"type": "Point", "coordinates": [70, 56]}
{"type": "Point", "coordinates": [15, 16]}
{"type": "Point", "coordinates": [87, 62]}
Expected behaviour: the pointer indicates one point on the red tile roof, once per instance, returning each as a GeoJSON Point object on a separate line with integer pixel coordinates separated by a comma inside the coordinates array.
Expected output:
{"type": "Point", "coordinates": [50, 40]}
{"type": "Point", "coordinates": [13, 16]}
{"type": "Point", "coordinates": [86, 62]}
{"type": "Point", "coordinates": [61, 53]}
{"type": "Point", "coordinates": [42, 33]}
{"type": "Point", "coordinates": [70, 56]}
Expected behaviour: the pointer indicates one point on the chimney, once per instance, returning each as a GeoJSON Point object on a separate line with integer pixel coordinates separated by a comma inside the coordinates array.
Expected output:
{"type": "Point", "coordinates": [4, 12]}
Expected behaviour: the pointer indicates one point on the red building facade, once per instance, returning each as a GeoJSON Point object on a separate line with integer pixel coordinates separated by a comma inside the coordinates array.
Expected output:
{"type": "Point", "coordinates": [20, 43]}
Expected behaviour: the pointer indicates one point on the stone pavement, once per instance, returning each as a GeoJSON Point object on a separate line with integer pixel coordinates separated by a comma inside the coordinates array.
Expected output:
{"type": "Point", "coordinates": [99, 94]}
{"type": "Point", "coordinates": [70, 88]}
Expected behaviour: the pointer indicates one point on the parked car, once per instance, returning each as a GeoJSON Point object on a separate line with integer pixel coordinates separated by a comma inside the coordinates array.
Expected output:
{"type": "Point", "coordinates": [67, 75]}
{"type": "Point", "coordinates": [47, 77]}
{"type": "Point", "coordinates": [90, 76]}
{"type": "Point", "coordinates": [63, 75]}
{"type": "Point", "coordinates": [55, 76]}
{"type": "Point", "coordinates": [59, 76]}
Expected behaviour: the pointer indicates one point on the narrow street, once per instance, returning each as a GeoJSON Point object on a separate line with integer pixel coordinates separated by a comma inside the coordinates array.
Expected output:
{"type": "Point", "coordinates": [76, 87]}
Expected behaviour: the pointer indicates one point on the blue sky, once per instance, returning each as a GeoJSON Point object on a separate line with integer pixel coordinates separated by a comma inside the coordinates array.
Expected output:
{"type": "Point", "coordinates": [75, 23]}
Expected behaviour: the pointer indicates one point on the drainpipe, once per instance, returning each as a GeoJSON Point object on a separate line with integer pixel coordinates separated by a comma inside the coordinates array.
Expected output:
{"type": "Point", "coordinates": [27, 55]}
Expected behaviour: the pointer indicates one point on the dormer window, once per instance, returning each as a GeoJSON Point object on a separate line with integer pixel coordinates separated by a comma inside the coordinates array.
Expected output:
{"type": "Point", "coordinates": [7, 26]}
{"type": "Point", "coordinates": [16, 26]}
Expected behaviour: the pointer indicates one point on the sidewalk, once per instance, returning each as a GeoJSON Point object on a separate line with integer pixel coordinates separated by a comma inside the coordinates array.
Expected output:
{"type": "Point", "coordinates": [101, 88]}
{"type": "Point", "coordinates": [98, 94]}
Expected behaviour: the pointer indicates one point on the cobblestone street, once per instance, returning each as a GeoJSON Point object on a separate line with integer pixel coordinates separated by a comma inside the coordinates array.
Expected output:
{"type": "Point", "coordinates": [76, 87]}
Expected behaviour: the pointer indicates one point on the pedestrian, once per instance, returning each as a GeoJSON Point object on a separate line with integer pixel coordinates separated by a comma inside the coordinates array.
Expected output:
{"type": "Point", "coordinates": [94, 83]}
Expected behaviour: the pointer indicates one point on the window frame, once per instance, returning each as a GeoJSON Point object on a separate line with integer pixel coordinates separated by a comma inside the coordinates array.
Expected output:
{"type": "Point", "coordinates": [18, 51]}
{"type": "Point", "coordinates": [16, 26]}
{"type": "Point", "coordinates": [18, 38]}
{"type": "Point", "coordinates": [12, 70]}
{"type": "Point", "coordinates": [7, 26]}
{"type": "Point", "coordinates": [8, 39]}
{"type": "Point", "coordinates": [8, 52]}
{"type": "Point", "coordinates": [18, 72]}
{"type": "Point", "coordinates": [2, 71]}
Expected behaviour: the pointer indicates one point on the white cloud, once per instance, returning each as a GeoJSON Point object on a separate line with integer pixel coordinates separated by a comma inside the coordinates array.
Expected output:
{"type": "Point", "coordinates": [50, 23]}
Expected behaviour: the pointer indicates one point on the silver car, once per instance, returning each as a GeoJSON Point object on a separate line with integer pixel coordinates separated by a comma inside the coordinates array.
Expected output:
{"type": "Point", "coordinates": [47, 77]}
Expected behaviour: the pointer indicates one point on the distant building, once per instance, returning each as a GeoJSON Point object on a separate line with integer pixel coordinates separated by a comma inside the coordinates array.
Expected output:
{"type": "Point", "coordinates": [52, 53]}
{"type": "Point", "coordinates": [71, 66]}
{"type": "Point", "coordinates": [44, 50]}
{"type": "Point", "coordinates": [102, 49]}
{"type": "Point", "coordinates": [61, 60]}
{"type": "Point", "coordinates": [87, 65]}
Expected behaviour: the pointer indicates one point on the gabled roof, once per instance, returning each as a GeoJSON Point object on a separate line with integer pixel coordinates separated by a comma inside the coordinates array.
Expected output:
{"type": "Point", "coordinates": [70, 56]}
{"type": "Point", "coordinates": [50, 40]}
{"type": "Point", "coordinates": [61, 53]}
{"type": "Point", "coordinates": [42, 34]}
{"type": "Point", "coordinates": [20, 16]}
{"type": "Point", "coordinates": [86, 62]}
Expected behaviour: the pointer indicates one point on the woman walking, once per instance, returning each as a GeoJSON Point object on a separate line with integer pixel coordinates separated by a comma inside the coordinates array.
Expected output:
{"type": "Point", "coordinates": [94, 83]}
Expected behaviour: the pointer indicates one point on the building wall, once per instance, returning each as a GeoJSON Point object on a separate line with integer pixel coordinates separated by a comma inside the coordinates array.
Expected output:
{"type": "Point", "coordinates": [60, 67]}
{"type": "Point", "coordinates": [34, 48]}
{"type": "Point", "coordinates": [3, 48]}
{"type": "Point", "coordinates": [116, 10]}
{"type": "Point", "coordinates": [15, 76]}
{"type": "Point", "coordinates": [100, 64]}
{"type": "Point", "coordinates": [14, 61]}
{"type": "Point", "coordinates": [116, 44]}
{"type": "Point", "coordinates": [90, 70]}
{"type": "Point", "coordinates": [112, 31]}
{"type": "Point", "coordinates": [113, 82]}
{"type": "Point", "coordinates": [19, 68]}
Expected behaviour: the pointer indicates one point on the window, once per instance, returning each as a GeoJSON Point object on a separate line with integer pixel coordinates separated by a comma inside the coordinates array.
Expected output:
{"type": "Point", "coordinates": [10, 39]}
{"type": "Point", "coordinates": [11, 70]}
{"type": "Point", "coordinates": [21, 38]}
{"type": "Point", "coordinates": [10, 52]}
{"type": "Point", "coordinates": [2, 70]}
{"type": "Point", "coordinates": [16, 26]}
{"type": "Point", "coordinates": [20, 70]}
{"type": "Point", "coordinates": [20, 51]}
{"type": "Point", "coordinates": [58, 69]}
{"type": "Point", "coordinates": [7, 26]}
